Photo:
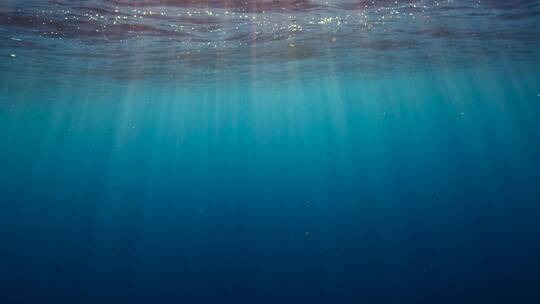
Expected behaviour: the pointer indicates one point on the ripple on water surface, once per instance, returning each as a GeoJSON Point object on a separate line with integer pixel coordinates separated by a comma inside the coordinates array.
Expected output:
{"type": "Point", "coordinates": [180, 39]}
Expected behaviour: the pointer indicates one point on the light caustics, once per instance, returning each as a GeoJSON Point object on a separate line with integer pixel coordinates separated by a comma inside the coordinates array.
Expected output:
{"type": "Point", "coordinates": [180, 39]}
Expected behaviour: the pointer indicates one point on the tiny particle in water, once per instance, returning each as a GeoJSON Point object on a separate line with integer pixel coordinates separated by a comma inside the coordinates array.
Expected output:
{"type": "Point", "coordinates": [462, 113]}
{"type": "Point", "coordinates": [333, 39]}
{"type": "Point", "coordinates": [16, 39]}
{"type": "Point", "coordinates": [308, 233]}
{"type": "Point", "coordinates": [13, 56]}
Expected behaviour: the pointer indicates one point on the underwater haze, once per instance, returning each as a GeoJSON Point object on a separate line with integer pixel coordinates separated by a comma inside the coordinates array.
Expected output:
{"type": "Point", "coordinates": [269, 151]}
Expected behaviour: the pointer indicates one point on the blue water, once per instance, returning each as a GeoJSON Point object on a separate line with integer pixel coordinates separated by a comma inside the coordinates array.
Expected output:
{"type": "Point", "coordinates": [269, 151]}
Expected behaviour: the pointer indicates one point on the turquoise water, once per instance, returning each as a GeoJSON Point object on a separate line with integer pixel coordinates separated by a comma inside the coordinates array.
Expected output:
{"type": "Point", "coordinates": [269, 152]}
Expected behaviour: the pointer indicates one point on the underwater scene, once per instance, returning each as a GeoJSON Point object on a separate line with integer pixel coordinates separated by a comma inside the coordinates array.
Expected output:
{"type": "Point", "coordinates": [269, 151]}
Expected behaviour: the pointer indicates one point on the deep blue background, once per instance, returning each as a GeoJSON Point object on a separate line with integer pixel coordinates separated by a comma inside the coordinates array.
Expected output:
{"type": "Point", "coordinates": [420, 188]}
